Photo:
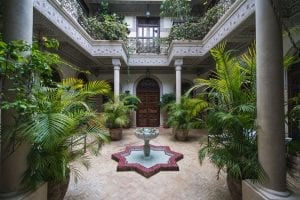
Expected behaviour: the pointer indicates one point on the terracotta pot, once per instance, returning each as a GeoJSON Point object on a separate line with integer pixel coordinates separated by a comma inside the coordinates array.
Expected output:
{"type": "Point", "coordinates": [115, 134]}
{"type": "Point", "coordinates": [57, 191]}
{"type": "Point", "coordinates": [181, 135]}
{"type": "Point", "coordinates": [235, 187]}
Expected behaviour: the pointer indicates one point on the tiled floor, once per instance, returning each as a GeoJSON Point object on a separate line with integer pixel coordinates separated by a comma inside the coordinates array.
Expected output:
{"type": "Point", "coordinates": [192, 182]}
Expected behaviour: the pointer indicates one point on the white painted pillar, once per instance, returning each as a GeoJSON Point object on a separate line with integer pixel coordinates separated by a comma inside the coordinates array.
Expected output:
{"type": "Point", "coordinates": [116, 64]}
{"type": "Point", "coordinates": [178, 67]}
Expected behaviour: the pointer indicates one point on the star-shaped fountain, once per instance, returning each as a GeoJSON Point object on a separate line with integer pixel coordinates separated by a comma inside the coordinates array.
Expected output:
{"type": "Point", "coordinates": [148, 159]}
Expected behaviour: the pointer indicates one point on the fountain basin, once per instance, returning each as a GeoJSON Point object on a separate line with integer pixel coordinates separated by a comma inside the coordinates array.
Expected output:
{"type": "Point", "coordinates": [160, 159]}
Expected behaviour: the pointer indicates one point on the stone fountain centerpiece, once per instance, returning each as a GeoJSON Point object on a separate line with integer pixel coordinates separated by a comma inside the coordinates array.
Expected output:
{"type": "Point", "coordinates": [147, 159]}
{"type": "Point", "coordinates": [146, 134]}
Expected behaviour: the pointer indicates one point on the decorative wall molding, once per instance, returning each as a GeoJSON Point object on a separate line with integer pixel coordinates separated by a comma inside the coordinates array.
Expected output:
{"type": "Point", "coordinates": [67, 23]}
{"type": "Point", "coordinates": [235, 16]}
{"type": "Point", "coordinates": [148, 60]}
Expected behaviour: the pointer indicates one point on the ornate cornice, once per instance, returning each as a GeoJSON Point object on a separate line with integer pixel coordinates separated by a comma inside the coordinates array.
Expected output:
{"type": "Point", "coordinates": [235, 16]}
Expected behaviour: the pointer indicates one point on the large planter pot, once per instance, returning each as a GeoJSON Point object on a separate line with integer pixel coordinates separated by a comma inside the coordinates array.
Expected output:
{"type": "Point", "coordinates": [115, 134]}
{"type": "Point", "coordinates": [293, 161]}
{"type": "Point", "coordinates": [57, 190]}
{"type": "Point", "coordinates": [235, 188]}
{"type": "Point", "coordinates": [181, 135]}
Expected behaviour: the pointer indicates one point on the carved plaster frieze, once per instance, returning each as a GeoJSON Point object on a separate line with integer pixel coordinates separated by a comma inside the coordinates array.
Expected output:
{"type": "Point", "coordinates": [144, 60]}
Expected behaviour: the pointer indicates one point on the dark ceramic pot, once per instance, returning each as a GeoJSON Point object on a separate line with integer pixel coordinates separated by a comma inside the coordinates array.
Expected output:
{"type": "Point", "coordinates": [58, 190]}
{"type": "Point", "coordinates": [235, 188]}
{"type": "Point", "coordinates": [115, 134]}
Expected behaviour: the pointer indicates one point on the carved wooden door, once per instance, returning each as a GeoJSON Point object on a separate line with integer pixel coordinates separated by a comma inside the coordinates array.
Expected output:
{"type": "Point", "coordinates": [148, 110]}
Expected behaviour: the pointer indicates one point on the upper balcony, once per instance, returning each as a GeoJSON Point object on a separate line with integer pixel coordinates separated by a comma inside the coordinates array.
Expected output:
{"type": "Point", "coordinates": [147, 44]}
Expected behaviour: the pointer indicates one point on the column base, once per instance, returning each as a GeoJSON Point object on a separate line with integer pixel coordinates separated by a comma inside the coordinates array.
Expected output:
{"type": "Point", "coordinates": [39, 194]}
{"type": "Point", "coordinates": [253, 191]}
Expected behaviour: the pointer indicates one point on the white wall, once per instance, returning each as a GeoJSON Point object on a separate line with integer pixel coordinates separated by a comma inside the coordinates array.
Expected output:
{"type": "Point", "coordinates": [165, 25]}
{"type": "Point", "coordinates": [129, 82]}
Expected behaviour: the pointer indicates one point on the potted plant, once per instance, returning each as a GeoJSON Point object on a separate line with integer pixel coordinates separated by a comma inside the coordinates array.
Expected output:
{"type": "Point", "coordinates": [46, 118]}
{"type": "Point", "coordinates": [116, 117]}
{"type": "Point", "coordinates": [131, 101]}
{"type": "Point", "coordinates": [232, 146]}
{"type": "Point", "coordinates": [183, 116]}
{"type": "Point", "coordinates": [63, 116]}
{"type": "Point", "coordinates": [166, 101]}
{"type": "Point", "coordinates": [231, 114]}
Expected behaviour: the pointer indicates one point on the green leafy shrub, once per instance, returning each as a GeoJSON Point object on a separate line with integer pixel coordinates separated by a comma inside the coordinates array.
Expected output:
{"type": "Point", "coordinates": [105, 26]}
{"type": "Point", "coordinates": [177, 9]}
{"type": "Point", "coordinates": [196, 28]}
{"type": "Point", "coordinates": [294, 147]}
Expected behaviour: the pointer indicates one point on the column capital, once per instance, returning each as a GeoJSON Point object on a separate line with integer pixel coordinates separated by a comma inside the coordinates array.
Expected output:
{"type": "Point", "coordinates": [116, 62]}
{"type": "Point", "coordinates": [178, 68]}
{"type": "Point", "coordinates": [116, 67]}
{"type": "Point", "coordinates": [178, 62]}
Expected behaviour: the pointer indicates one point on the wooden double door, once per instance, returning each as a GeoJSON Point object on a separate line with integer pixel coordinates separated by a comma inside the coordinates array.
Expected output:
{"type": "Point", "coordinates": [148, 112]}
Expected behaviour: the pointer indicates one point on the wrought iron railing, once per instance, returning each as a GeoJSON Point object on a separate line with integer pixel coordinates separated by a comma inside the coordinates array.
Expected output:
{"type": "Point", "coordinates": [158, 46]}
{"type": "Point", "coordinates": [74, 8]}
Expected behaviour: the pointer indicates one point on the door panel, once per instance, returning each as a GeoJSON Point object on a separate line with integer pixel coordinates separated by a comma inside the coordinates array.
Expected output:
{"type": "Point", "coordinates": [148, 112]}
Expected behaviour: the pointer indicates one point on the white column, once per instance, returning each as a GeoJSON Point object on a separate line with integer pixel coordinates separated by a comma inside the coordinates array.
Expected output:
{"type": "Point", "coordinates": [116, 64]}
{"type": "Point", "coordinates": [18, 25]}
{"type": "Point", "coordinates": [270, 105]}
{"type": "Point", "coordinates": [178, 67]}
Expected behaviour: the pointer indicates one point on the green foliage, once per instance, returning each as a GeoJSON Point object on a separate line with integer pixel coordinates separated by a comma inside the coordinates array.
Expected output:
{"type": "Point", "coordinates": [184, 115]}
{"type": "Point", "coordinates": [177, 9]}
{"type": "Point", "coordinates": [105, 26]}
{"type": "Point", "coordinates": [116, 114]}
{"type": "Point", "coordinates": [294, 113]}
{"type": "Point", "coordinates": [20, 64]}
{"type": "Point", "coordinates": [294, 147]}
{"type": "Point", "coordinates": [61, 116]}
{"type": "Point", "coordinates": [195, 28]}
{"type": "Point", "coordinates": [131, 101]}
{"type": "Point", "coordinates": [231, 115]}
{"type": "Point", "coordinates": [167, 100]}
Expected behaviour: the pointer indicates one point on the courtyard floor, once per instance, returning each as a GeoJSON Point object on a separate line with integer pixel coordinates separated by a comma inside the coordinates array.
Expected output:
{"type": "Point", "coordinates": [192, 182]}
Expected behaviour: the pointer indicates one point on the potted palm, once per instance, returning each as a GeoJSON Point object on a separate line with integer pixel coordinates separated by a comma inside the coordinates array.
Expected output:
{"type": "Point", "coordinates": [165, 104]}
{"type": "Point", "coordinates": [183, 116]}
{"type": "Point", "coordinates": [63, 115]}
{"type": "Point", "coordinates": [230, 120]}
{"type": "Point", "coordinates": [116, 117]}
{"type": "Point", "coordinates": [231, 114]}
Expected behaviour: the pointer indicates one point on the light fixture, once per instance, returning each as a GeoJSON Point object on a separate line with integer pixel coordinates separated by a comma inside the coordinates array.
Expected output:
{"type": "Point", "coordinates": [147, 11]}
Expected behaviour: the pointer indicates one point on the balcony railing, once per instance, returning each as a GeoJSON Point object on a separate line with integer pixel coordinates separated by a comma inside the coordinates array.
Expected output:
{"type": "Point", "coordinates": [74, 8]}
{"type": "Point", "coordinates": [158, 46]}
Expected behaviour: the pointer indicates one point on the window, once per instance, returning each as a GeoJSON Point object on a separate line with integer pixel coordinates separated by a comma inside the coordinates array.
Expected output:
{"type": "Point", "coordinates": [147, 35]}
